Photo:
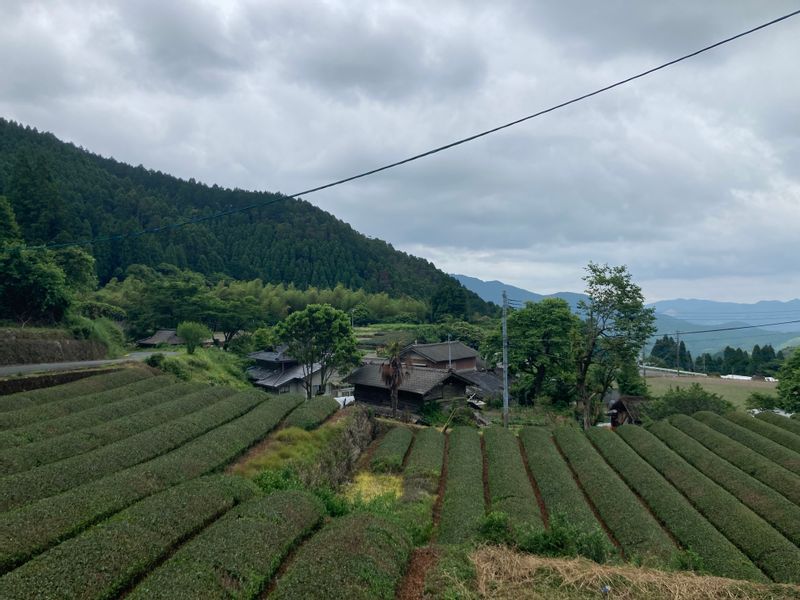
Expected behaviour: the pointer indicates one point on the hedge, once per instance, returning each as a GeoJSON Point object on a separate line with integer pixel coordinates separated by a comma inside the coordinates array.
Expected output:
{"type": "Point", "coordinates": [560, 493]}
{"type": "Point", "coordinates": [60, 408]}
{"type": "Point", "coordinates": [767, 430]}
{"type": "Point", "coordinates": [238, 554]}
{"type": "Point", "coordinates": [747, 460]}
{"type": "Point", "coordinates": [50, 479]}
{"type": "Point", "coordinates": [89, 385]}
{"type": "Point", "coordinates": [510, 489]}
{"type": "Point", "coordinates": [359, 556]}
{"type": "Point", "coordinates": [392, 450]}
{"type": "Point", "coordinates": [773, 507]}
{"type": "Point", "coordinates": [783, 422]}
{"type": "Point", "coordinates": [636, 530]}
{"type": "Point", "coordinates": [766, 447]}
{"type": "Point", "coordinates": [720, 557]}
{"type": "Point", "coordinates": [106, 559]}
{"type": "Point", "coordinates": [44, 430]}
{"type": "Point", "coordinates": [173, 402]}
{"type": "Point", "coordinates": [312, 412]}
{"type": "Point", "coordinates": [463, 502]}
{"type": "Point", "coordinates": [424, 465]}
{"type": "Point", "coordinates": [37, 526]}
{"type": "Point", "coordinates": [776, 556]}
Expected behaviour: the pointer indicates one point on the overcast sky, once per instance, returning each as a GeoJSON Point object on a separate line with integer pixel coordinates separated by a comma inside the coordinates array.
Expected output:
{"type": "Point", "coordinates": [691, 176]}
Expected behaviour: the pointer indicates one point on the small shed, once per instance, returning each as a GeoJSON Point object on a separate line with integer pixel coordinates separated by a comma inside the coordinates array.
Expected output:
{"type": "Point", "coordinates": [626, 409]}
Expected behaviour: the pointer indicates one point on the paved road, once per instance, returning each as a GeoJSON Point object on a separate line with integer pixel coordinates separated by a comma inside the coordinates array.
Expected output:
{"type": "Point", "coordinates": [5, 371]}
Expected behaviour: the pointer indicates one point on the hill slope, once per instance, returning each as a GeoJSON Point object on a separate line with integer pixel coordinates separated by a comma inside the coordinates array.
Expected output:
{"type": "Point", "coordinates": [61, 192]}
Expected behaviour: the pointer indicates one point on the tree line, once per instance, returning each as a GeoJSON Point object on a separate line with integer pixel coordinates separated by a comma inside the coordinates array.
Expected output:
{"type": "Point", "coordinates": [761, 361]}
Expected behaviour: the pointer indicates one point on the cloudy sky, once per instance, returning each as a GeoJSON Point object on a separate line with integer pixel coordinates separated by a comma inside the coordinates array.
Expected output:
{"type": "Point", "coordinates": [691, 176]}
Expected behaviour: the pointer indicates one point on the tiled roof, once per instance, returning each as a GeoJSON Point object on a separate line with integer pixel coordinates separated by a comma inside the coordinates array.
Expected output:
{"type": "Point", "coordinates": [489, 383]}
{"type": "Point", "coordinates": [162, 336]}
{"type": "Point", "coordinates": [417, 380]}
{"type": "Point", "coordinates": [439, 352]}
{"type": "Point", "coordinates": [278, 355]}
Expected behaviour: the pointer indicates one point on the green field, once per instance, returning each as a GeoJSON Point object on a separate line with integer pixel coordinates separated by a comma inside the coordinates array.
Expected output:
{"type": "Point", "coordinates": [735, 392]}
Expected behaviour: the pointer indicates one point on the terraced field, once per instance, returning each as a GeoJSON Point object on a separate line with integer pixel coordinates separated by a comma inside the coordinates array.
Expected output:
{"type": "Point", "coordinates": [112, 486]}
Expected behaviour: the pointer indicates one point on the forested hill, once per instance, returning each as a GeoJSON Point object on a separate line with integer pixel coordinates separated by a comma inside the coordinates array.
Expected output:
{"type": "Point", "coordinates": [60, 192]}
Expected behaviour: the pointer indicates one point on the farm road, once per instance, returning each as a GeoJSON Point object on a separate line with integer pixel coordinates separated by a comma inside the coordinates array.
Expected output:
{"type": "Point", "coordinates": [9, 370]}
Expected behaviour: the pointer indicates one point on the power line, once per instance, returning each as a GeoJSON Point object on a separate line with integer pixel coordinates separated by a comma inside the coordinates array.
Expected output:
{"type": "Point", "coordinates": [434, 150]}
{"type": "Point", "coordinates": [729, 328]}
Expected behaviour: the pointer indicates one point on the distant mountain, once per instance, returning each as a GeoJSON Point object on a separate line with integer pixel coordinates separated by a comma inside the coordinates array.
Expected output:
{"type": "Point", "coordinates": [705, 314]}
{"type": "Point", "coordinates": [60, 192]}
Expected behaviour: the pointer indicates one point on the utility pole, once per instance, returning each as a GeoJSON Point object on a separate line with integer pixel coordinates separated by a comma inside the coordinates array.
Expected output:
{"type": "Point", "coordinates": [678, 353]}
{"type": "Point", "coordinates": [505, 361]}
{"type": "Point", "coordinates": [644, 367]}
{"type": "Point", "coordinates": [449, 354]}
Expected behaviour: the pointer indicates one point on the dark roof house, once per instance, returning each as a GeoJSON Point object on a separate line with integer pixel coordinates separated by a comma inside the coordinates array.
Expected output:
{"type": "Point", "coordinates": [626, 409]}
{"type": "Point", "coordinates": [444, 355]}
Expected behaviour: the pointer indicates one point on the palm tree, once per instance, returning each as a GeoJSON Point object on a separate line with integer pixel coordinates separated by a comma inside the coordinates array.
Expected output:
{"type": "Point", "coordinates": [392, 372]}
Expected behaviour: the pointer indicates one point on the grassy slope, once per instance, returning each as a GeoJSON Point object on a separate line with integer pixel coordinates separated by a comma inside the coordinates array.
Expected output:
{"type": "Point", "coordinates": [732, 390]}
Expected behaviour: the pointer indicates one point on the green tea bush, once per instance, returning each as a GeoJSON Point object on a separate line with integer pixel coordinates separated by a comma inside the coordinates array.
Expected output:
{"type": "Point", "coordinates": [50, 479]}
{"type": "Point", "coordinates": [564, 537]}
{"type": "Point", "coordinates": [747, 460]}
{"type": "Point", "coordinates": [689, 527]}
{"type": "Point", "coordinates": [103, 561]}
{"type": "Point", "coordinates": [424, 465]}
{"type": "Point", "coordinates": [463, 503]}
{"type": "Point", "coordinates": [238, 554]}
{"type": "Point", "coordinates": [32, 529]}
{"type": "Point", "coordinates": [88, 385]}
{"type": "Point", "coordinates": [775, 452]}
{"type": "Point", "coordinates": [496, 527]}
{"type": "Point", "coordinates": [392, 450]}
{"type": "Point", "coordinates": [311, 413]}
{"type": "Point", "coordinates": [167, 404]}
{"type": "Point", "coordinates": [776, 556]}
{"type": "Point", "coordinates": [773, 507]}
{"type": "Point", "coordinates": [60, 408]}
{"type": "Point", "coordinates": [631, 524]}
{"type": "Point", "coordinates": [359, 556]}
{"type": "Point", "coordinates": [510, 489]}
{"type": "Point", "coordinates": [767, 430]}
{"type": "Point", "coordinates": [556, 484]}
{"type": "Point", "coordinates": [782, 422]}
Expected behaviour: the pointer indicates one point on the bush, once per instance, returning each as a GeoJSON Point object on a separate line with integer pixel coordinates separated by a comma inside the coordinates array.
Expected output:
{"type": "Point", "coordinates": [769, 550]}
{"type": "Point", "coordinates": [34, 528]}
{"type": "Point", "coordinates": [686, 401]}
{"type": "Point", "coordinates": [104, 560]}
{"type": "Point", "coordinates": [747, 460]}
{"type": "Point", "coordinates": [359, 556]}
{"type": "Point", "coordinates": [392, 450]}
{"type": "Point", "coordinates": [312, 412]}
{"type": "Point", "coordinates": [766, 447]}
{"type": "Point", "coordinates": [762, 401]}
{"type": "Point", "coordinates": [767, 430]}
{"type": "Point", "coordinates": [557, 486]}
{"type": "Point", "coordinates": [510, 490]}
{"type": "Point", "coordinates": [631, 524]}
{"type": "Point", "coordinates": [193, 334]}
{"type": "Point", "coordinates": [239, 553]}
{"type": "Point", "coordinates": [564, 537]}
{"type": "Point", "coordinates": [463, 503]}
{"type": "Point", "coordinates": [496, 528]}
{"type": "Point", "coordinates": [688, 526]}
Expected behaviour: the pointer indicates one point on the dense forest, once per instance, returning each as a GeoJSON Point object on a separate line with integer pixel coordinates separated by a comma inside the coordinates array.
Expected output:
{"type": "Point", "coordinates": [60, 192]}
{"type": "Point", "coordinates": [763, 360]}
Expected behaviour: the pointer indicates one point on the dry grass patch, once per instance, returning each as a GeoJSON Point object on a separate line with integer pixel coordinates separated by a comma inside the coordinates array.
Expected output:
{"type": "Point", "coordinates": [505, 574]}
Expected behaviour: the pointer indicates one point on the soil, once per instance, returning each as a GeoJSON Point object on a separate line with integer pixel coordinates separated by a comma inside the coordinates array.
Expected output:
{"type": "Point", "coordinates": [534, 485]}
{"type": "Point", "coordinates": [413, 585]}
{"type": "Point", "coordinates": [487, 498]}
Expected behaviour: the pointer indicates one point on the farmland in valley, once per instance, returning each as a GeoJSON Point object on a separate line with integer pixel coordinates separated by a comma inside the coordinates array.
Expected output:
{"type": "Point", "coordinates": [115, 485]}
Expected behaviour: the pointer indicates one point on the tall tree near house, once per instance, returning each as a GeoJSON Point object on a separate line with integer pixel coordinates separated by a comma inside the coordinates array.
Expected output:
{"type": "Point", "coordinates": [615, 326]}
{"type": "Point", "coordinates": [392, 372]}
{"type": "Point", "coordinates": [319, 336]}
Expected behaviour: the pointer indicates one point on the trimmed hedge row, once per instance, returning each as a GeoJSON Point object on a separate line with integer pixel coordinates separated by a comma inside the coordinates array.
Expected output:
{"type": "Point", "coordinates": [391, 450]}
{"type": "Point", "coordinates": [747, 460]}
{"type": "Point", "coordinates": [766, 447]}
{"type": "Point", "coordinates": [312, 412]}
{"type": "Point", "coordinates": [424, 466]}
{"type": "Point", "coordinates": [767, 430]}
{"type": "Point", "coordinates": [34, 528]}
{"type": "Point", "coordinates": [51, 479]}
{"type": "Point", "coordinates": [463, 503]}
{"type": "Point", "coordinates": [510, 490]}
{"type": "Point", "coordinates": [781, 513]}
{"type": "Point", "coordinates": [238, 554]}
{"type": "Point", "coordinates": [173, 402]}
{"type": "Point", "coordinates": [776, 556]}
{"type": "Point", "coordinates": [60, 408]}
{"type": "Point", "coordinates": [44, 430]}
{"type": "Point", "coordinates": [557, 486]}
{"type": "Point", "coordinates": [359, 556]}
{"type": "Point", "coordinates": [104, 560]}
{"type": "Point", "coordinates": [782, 422]}
{"type": "Point", "coordinates": [82, 387]}
{"type": "Point", "coordinates": [720, 557]}
{"type": "Point", "coordinates": [637, 531]}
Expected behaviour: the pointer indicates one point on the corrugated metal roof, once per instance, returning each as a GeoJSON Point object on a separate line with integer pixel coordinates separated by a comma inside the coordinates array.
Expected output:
{"type": "Point", "coordinates": [275, 378]}
{"type": "Point", "coordinates": [162, 336]}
